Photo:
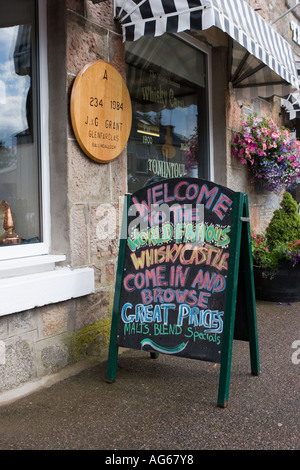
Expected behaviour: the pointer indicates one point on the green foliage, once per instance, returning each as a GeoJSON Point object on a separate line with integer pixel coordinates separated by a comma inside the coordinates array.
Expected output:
{"type": "Point", "coordinates": [285, 223]}
{"type": "Point", "coordinates": [265, 258]}
{"type": "Point", "coordinates": [89, 335]}
{"type": "Point", "coordinates": [282, 240]}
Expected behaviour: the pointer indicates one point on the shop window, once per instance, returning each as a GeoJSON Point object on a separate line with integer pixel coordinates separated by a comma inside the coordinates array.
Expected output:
{"type": "Point", "coordinates": [167, 81]}
{"type": "Point", "coordinates": [29, 273]}
{"type": "Point", "coordinates": [22, 195]}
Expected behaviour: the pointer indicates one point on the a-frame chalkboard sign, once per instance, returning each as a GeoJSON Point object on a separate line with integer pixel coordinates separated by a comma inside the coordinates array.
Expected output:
{"type": "Point", "coordinates": [184, 283]}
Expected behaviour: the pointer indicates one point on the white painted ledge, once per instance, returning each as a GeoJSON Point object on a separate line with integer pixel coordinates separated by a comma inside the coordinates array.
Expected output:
{"type": "Point", "coordinates": [27, 291]}
{"type": "Point", "coordinates": [29, 265]}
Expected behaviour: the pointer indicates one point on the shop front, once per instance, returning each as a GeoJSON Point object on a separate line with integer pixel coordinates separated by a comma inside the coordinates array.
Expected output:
{"type": "Point", "coordinates": [173, 42]}
{"type": "Point", "coordinates": [193, 69]}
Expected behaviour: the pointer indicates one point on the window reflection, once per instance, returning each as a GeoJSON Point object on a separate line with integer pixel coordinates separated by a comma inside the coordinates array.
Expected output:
{"type": "Point", "coordinates": [166, 80]}
{"type": "Point", "coordinates": [19, 156]}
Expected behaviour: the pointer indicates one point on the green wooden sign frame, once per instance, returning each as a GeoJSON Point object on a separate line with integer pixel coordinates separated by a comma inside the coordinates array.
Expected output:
{"type": "Point", "coordinates": [240, 255]}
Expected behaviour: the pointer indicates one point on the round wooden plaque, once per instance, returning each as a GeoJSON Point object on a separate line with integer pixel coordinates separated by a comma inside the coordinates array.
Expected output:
{"type": "Point", "coordinates": [101, 112]}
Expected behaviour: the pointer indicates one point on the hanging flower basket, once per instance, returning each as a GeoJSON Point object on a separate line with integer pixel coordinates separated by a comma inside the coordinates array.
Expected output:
{"type": "Point", "coordinates": [269, 151]}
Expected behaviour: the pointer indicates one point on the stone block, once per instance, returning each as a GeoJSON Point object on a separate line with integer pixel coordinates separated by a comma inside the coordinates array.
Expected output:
{"type": "Point", "coordinates": [98, 276]}
{"type": "Point", "coordinates": [22, 322]}
{"type": "Point", "coordinates": [88, 180]}
{"type": "Point", "coordinates": [119, 177]}
{"type": "Point", "coordinates": [53, 358]}
{"type": "Point", "coordinates": [254, 212]}
{"type": "Point", "coordinates": [92, 308]}
{"type": "Point", "coordinates": [273, 201]}
{"type": "Point", "coordinates": [4, 326]}
{"type": "Point", "coordinates": [237, 179]}
{"type": "Point", "coordinates": [19, 365]}
{"type": "Point", "coordinates": [54, 319]}
{"type": "Point", "coordinates": [104, 242]}
{"type": "Point", "coordinates": [101, 13]}
{"type": "Point", "coordinates": [86, 42]}
{"type": "Point", "coordinates": [70, 82]}
{"type": "Point", "coordinates": [117, 53]}
{"type": "Point", "coordinates": [76, 5]}
{"type": "Point", "coordinates": [52, 354]}
{"type": "Point", "coordinates": [79, 235]}
{"type": "Point", "coordinates": [110, 272]}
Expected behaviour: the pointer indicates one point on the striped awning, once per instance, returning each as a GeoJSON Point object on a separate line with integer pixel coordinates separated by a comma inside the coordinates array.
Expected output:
{"type": "Point", "coordinates": [22, 52]}
{"type": "Point", "coordinates": [260, 58]}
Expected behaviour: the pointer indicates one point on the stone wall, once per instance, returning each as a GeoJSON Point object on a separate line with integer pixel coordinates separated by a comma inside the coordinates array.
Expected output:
{"type": "Point", "coordinates": [86, 196]}
{"type": "Point", "coordinates": [95, 190]}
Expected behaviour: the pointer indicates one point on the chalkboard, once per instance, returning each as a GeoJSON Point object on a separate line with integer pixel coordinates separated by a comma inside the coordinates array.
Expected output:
{"type": "Point", "coordinates": [184, 283]}
{"type": "Point", "coordinates": [175, 269]}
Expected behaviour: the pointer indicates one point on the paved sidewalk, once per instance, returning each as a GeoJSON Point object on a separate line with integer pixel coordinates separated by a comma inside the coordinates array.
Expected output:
{"type": "Point", "coordinates": [170, 403]}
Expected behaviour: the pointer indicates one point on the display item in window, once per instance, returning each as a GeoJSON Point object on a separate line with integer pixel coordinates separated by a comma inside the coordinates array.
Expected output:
{"type": "Point", "coordinates": [9, 237]}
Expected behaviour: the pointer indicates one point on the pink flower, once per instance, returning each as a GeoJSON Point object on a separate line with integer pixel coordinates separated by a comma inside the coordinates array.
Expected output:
{"type": "Point", "coordinates": [261, 153]}
{"type": "Point", "coordinates": [275, 135]}
{"type": "Point", "coordinates": [263, 138]}
{"type": "Point", "coordinates": [253, 146]}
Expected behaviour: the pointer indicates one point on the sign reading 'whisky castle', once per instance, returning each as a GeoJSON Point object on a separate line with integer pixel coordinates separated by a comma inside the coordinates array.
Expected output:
{"type": "Point", "coordinates": [184, 283]}
{"type": "Point", "coordinates": [175, 269]}
{"type": "Point", "coordinates": [101, 112]}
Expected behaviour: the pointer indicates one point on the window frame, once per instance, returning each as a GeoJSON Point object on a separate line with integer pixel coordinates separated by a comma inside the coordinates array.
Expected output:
{"type": "Point", "coordinates": [30, 276]}
{"type": "Point", "coordinates": [208, 164]}
{"type": "Point", "coordinates": [43, 247]}
{"type": "Point", "coordinates": [206, 49]}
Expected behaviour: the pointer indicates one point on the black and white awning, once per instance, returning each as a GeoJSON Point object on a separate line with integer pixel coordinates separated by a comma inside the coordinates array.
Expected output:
{"type": "Point", "coordinates": [260, 58]}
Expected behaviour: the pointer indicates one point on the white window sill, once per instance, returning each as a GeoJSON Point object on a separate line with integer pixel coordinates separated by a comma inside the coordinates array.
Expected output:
{"type": "Point", "coordinates": [29, 265]}
{"type": "Point", "coordinates": [36, 281]}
